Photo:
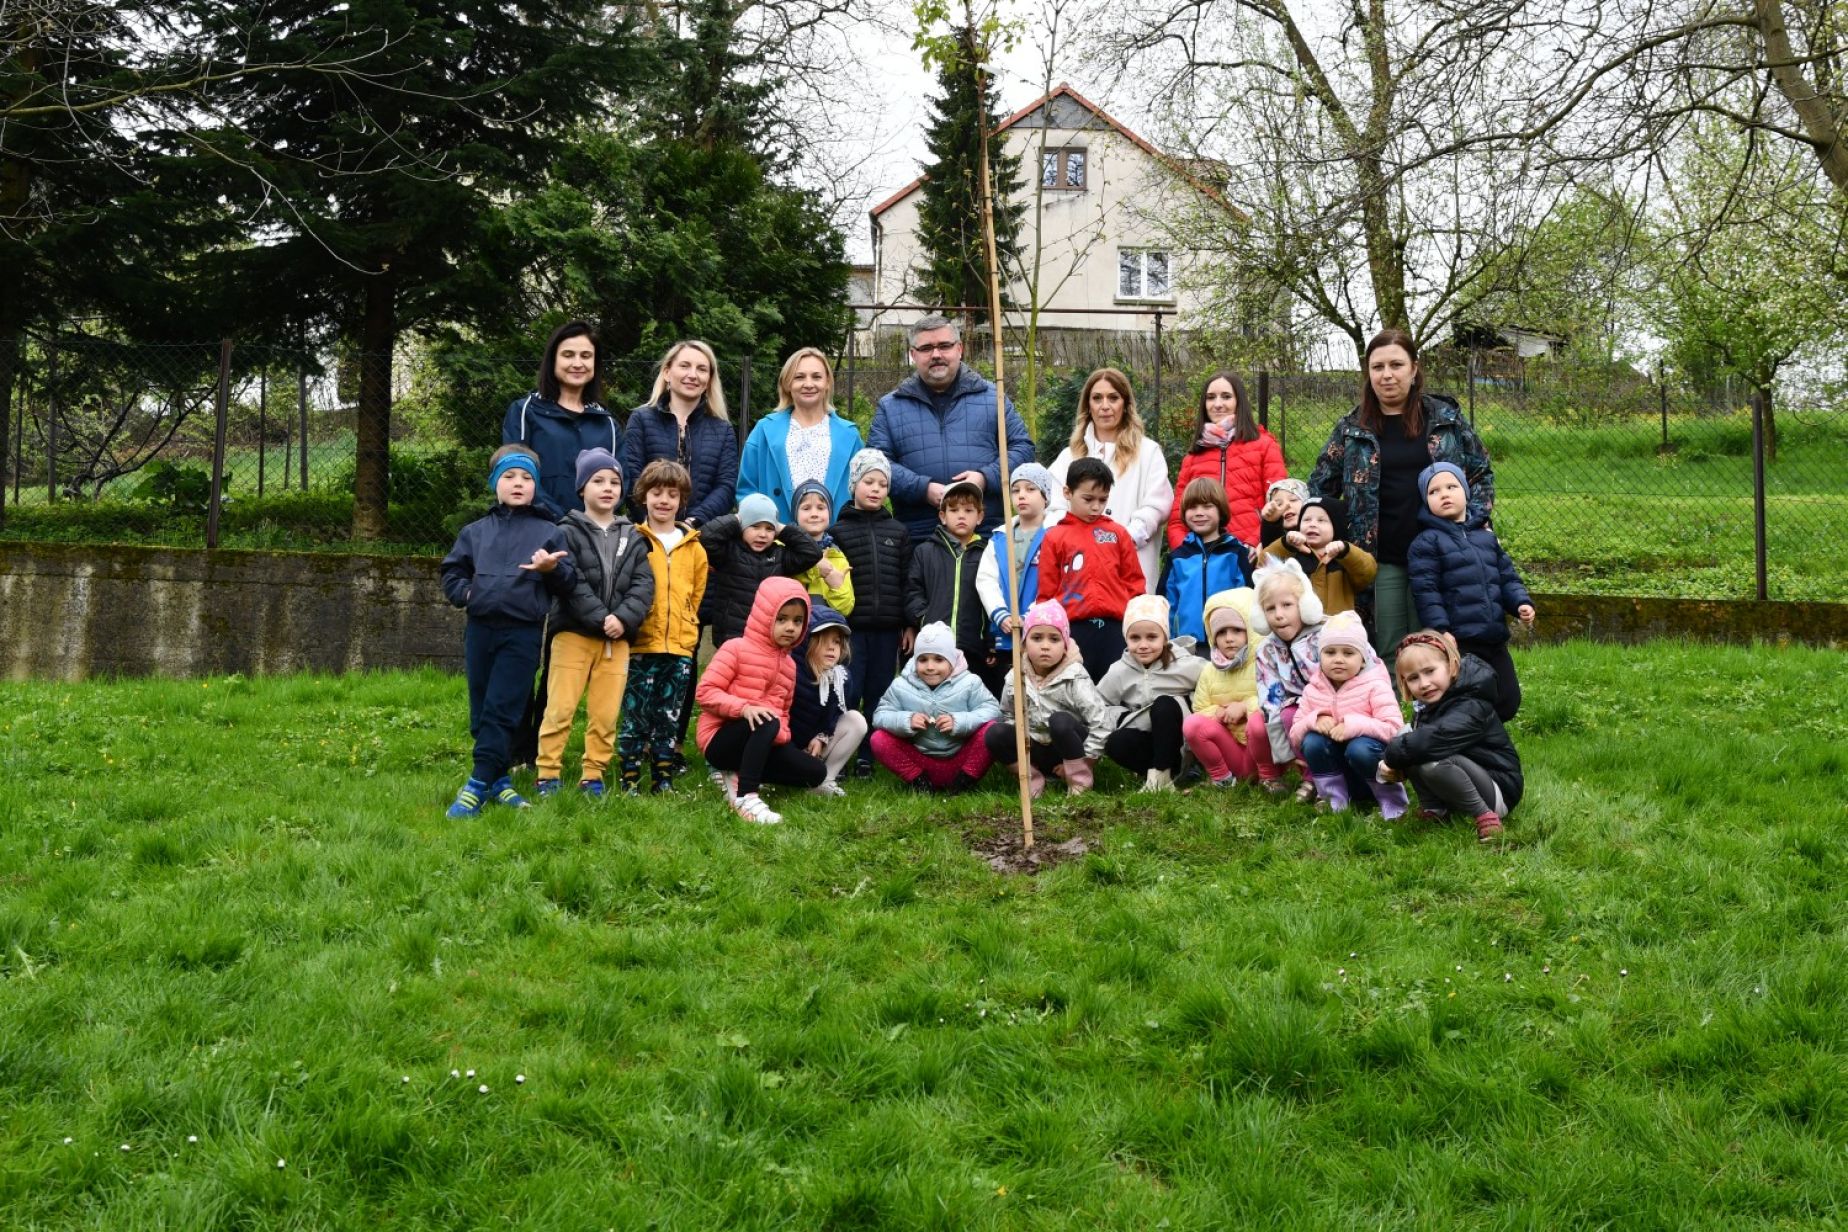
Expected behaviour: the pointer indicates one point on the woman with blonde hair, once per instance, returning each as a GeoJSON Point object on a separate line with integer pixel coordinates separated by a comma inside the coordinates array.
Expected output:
{"type": "Point", "coordinates": [684, 421]}
{"type": "Point", "coordinates": [804, 439]}
{"type": "Point", "coordinates": [1107, 427]}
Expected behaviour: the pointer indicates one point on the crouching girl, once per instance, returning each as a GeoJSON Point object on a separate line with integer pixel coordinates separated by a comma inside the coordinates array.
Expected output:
{"type": "Point", "coordinates": [1065, 713]}
{"type": "Point", "coordinates": [929, 725]}
{"type": "Point", "coordinates": [1347, 714]}
{"type": "Point", "coordinates": [1148, 692]}
{"type": "Point", "coordinates": [1458, 753]}
{"type": "Point", "coordinates": [1218, 731]}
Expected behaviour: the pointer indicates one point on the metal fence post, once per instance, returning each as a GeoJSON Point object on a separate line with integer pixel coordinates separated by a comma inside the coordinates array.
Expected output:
{"type": "Point", "coordinates": [852, 353]}
{"type": "Point", "coordinates": [301, 409]}
{"type": "Point", "coordinates": [1158, 419]}
{"type": "Point", "coordinates": [216, 504]}
{"type": "Point", "coordinates": [262, 425]}
{"type": "Point", "coordinates": [1469, 378]}
{"type": "Point", "coordinates": [1264, 397]}
{"type": "Point", "coordinates": [51, 429]}
{"type": "Point", "coordinates": [1759, 398]}
{"type": "Point", "coordinates": [1662, 399]}
{"type": "Point", "coordinates": [744, 397]}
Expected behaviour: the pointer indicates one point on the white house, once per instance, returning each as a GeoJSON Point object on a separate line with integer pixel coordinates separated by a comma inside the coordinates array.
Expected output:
{"type": "Point", "coordinates": [1102, 245]}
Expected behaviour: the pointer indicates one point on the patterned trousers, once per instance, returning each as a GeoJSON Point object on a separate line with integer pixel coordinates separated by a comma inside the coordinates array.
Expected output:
{"type": "Point", "coordinates": [656, 691]}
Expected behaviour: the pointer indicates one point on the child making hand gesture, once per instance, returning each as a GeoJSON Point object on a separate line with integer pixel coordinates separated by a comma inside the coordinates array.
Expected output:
{"type": "Point", "coordinates": [1338, 571]}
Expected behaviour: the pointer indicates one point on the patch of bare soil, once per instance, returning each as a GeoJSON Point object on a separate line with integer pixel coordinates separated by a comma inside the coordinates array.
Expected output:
{"type": "Point", "coordinates": [1070, 833]}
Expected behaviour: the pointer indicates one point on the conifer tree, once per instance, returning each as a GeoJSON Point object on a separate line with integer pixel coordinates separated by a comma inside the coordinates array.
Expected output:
{"type": "Point", "coordinates": [953, 265]}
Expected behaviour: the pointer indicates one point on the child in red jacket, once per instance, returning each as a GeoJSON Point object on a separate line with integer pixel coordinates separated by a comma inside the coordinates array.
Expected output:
{"type": "Point", "coordinates": [744, 701]}
{"type": "Point", "coordinates": [1089, 564]}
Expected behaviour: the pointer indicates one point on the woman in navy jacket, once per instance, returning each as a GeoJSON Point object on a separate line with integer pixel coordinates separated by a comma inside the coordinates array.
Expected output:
{"type": "Point", "coordinates": [562, 417]}
{"type": "Point", "coordinates": [684, 421]}
{"type": "Point", "coordinates": [804, 438]}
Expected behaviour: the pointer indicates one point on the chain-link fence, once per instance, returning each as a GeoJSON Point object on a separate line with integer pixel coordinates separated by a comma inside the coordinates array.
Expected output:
{"type": "Point", "coordinates": [1616, 483]}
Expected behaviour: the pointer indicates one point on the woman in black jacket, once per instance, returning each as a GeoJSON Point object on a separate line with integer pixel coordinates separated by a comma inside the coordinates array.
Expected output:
{"type": "Point", "coordinates": [685, 421]}
{"type": "Point", "coordinates": [1458, 753]}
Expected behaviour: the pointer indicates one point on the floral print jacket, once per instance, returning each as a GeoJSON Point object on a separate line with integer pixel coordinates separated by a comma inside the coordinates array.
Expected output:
{"type": "Point", "coordinates": [1348, 467]}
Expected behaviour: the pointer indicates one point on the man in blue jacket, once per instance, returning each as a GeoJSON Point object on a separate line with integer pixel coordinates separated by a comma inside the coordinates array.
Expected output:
{"type": "Point", "coordinates": [938, 428]}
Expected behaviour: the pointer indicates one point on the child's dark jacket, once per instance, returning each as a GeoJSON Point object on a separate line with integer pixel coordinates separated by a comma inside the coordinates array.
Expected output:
{"type": "Point", "coordinates": [1462, 723]}
{"type": "Point", "coordinates": [734, 571]}
{"type": "Point", "coordinates": [941, 586]}
{"type": "Point", "coordinates": [482, 571]}
{"type": "Point", "coordinates": [1461, 580]}
{"type": "Point", "coordinates": [878, 549]}
{"type": "Point", "coordinates": [614, 577]}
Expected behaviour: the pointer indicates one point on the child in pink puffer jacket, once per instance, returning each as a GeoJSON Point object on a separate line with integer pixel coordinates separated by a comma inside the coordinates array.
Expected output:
{"type": "Point", "coordinates": [1347, 714]}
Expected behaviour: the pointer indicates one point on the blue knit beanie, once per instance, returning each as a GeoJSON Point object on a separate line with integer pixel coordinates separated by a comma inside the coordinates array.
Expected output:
{"type": "Point", "coordinates": [593, 460]}
{"type": "Point", "coordinates": [815, 486]}
{"type": "Point", "coordinates": [1432, 471]}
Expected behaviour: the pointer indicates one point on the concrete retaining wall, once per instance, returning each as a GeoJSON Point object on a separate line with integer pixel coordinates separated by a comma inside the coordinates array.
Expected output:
{"type": "Point", "coordinates": [72, 611]}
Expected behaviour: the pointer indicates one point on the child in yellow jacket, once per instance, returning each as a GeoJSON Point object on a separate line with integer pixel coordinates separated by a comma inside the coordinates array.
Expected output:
{"type": "Point", "coordinates": [662, 649]}
{"type": "Point", "coordinates": [1227, 694]}
{"type": "Point", "coordinates": [831, 580]}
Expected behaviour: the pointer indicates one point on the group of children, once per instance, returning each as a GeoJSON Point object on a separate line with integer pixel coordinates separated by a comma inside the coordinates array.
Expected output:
{"type": "Point", "coordinates": [1249, 661]}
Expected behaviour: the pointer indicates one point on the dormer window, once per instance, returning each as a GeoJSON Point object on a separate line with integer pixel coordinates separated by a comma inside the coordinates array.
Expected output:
{"type": "Point", "coordinates": [1064, 169]}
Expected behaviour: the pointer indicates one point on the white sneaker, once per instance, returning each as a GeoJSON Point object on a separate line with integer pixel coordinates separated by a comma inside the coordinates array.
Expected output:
{"type": "Point", "coordinates": [1159, 780]}
{"type": "Point", "coordinates": [829, 788]}
{"type": "Point", "coordinates": [751, 807]}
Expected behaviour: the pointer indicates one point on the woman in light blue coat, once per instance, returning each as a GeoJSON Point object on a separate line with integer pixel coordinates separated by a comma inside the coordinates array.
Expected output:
{"type": "Point", "coordinates": [803, 439]}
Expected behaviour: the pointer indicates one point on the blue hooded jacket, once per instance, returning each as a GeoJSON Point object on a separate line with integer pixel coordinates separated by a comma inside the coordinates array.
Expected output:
{"type": "Point", "coordinates": [1461, 579]}
{"type": "Point", "coordinates": [926, 447]}
{"type": "Point", "coordinates": [1197, 571]}
{"type": "Point", "coordinates": [482, 571]}
{"type": "Point", "coordinates": [557, 436]}
{"type": "Point", "coordinates": [764, 465]}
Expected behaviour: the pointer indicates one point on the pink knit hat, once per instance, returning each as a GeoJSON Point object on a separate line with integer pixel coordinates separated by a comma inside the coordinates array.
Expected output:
{"type": "Point", "coordinates": [1152, 608]}
{"type": "Point", "coordinates": [1050, 613]}
{"type": "Point", "coordinates": [1345, 629]}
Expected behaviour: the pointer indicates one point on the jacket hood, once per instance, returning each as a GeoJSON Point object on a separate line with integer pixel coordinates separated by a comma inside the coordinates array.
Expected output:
{"type": "Point", "coordinates": [577, 517]}
{"type": "Point", "coordinates": [1244, 601]}
{"type": "Point", "coordinates": [1474, 679]}
{"type": "Point", "coordinates": [772, 594]}
{"type": "Point", "coordinates": [968, 381]}
{"type": "Point", "coordinates": [1431, 521]}
{"type": "Point", "coordinates": [1072, 662]}
{"type": "Point", "coordinates": [538, 404]}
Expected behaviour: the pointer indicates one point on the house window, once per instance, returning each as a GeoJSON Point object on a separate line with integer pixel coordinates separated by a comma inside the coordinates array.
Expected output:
{"type": "Point", "coordinates": [1144, 273]}
{"type": "Point", "coordinates": [1063, 169]}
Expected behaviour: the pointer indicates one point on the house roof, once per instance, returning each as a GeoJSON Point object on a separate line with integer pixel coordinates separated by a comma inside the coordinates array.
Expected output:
{"type": "Point", "coordinates": [1064, 89]}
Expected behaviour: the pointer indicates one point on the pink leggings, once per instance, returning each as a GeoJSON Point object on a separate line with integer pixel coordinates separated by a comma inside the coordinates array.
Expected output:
{"type": "Point", "coordinates": [902, 758]}
{"type": "Point", "coordinates": [1219, 752]}
{"type": "Point", "coordinates": [1257, 741]}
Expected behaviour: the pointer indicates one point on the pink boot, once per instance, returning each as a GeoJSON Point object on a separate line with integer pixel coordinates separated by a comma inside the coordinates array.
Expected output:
{"type": "Point", "coordinates": [1079, 775]}
{"type": "Point", "coordinates": [1392, 798]}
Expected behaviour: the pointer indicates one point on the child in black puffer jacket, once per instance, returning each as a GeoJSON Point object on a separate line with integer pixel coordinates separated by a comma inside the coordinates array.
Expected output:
{"type": "Point", "coordinates": [1458, 753]}
{"type": "Point", "coordinates": [742, 549]}
{"type": "Point", "coordinates": [878, 550]}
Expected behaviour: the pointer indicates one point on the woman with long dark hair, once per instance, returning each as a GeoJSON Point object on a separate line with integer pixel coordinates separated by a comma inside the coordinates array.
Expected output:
{"type": "Point", "coordinates": [684, 421]}
{"type": "Point", "coordinates": [1372, 460]}
{"type": "Point", "coordinates": [1232, 447]}
{"type": "Point", "coordinates": [563, 416]}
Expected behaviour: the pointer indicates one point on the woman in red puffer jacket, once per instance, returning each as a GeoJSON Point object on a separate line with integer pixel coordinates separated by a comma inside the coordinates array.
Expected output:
{"type": "Point", "coordinates": [1229, 446]}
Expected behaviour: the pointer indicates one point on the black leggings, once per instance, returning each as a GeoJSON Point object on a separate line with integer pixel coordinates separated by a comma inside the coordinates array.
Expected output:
{"type": "Point", "coordinates": [758, 759]}
{"type": "Point", "coordinates": [1068, 737]}
{"type": "Point", "coordinates": [1159, 748]}
{"type": "Point", "coordinates": [1507, 684]}
{"type": "Point", "coordinates": [1458, 784]}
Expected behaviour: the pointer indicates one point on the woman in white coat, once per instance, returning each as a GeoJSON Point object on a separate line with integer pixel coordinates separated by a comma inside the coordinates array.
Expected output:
{"type": "Point", "coordinates": [1107, 427]}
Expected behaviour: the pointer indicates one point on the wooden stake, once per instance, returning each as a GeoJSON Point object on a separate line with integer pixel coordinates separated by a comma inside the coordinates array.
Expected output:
{"type": "Point", "coordinates": [1022, 765]}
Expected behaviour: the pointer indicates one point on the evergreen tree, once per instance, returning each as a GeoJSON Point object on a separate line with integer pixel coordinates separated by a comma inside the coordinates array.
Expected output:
{"type": "Point", "coordinates": [954, 268]}
{"type": "Point", "coordinates": [385, 191]}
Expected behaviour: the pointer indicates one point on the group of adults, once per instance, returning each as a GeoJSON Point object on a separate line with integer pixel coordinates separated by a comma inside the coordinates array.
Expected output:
{"type": "Point", "coordinates": [939, 427]}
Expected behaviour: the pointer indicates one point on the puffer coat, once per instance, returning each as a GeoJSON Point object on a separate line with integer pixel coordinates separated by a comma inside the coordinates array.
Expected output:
{"type": "Point", "coordinates": [1067, 689]}
{"type": "Point", "coordinates": [1462, 723]}
{"type": "Point", "coordinates": [878, 550]}
{"type": "Point", "coordinates": [751, 670]}
{"type": "Point", "coordinates": [1129, 688]}
{"type": "Point", "coordinates": [709, 452]}
{"type": "Point", "coordinates": [963, 697]}
{"type": "Point", "coordinates": [1349, 466]}
{"type": "Point", "coordinates": [737, 572]}
{"type": "Point", "coordinates": [1364, 706]}
{"type": "Point", "coordinates": [557, 436]}
{"type": "Point", "coordinates": [625, 592]}
{"type": "Point", "coordinates": [927, 448]}
{"type": "Point", "coordinates": [1462, 581]}
{"type": "Point", "coordinates": [1245, 468]}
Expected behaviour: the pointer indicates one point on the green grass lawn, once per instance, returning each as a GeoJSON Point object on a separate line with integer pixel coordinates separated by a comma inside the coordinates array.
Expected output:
{"type": "Point", "coordinates": [251, 978]}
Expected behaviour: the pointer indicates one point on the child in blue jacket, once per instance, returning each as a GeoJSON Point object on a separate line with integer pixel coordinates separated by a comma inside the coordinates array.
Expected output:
{"type": "Point", "coordinates": [1463, 583]}
{"type": "Point", "coordinates": [1032, 492]}
{"type": "Point", "coordinates": [506, 569]}
{"type": "Point", "coordinates": [1210, 559]}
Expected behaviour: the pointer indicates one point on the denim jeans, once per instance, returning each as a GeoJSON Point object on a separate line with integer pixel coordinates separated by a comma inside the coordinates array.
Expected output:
{"type": "Point", "coordinates": [1358, 759]}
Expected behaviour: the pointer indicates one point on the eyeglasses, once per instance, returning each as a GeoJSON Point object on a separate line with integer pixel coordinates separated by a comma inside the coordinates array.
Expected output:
{"type": "Point", "coordinates": [936, 348]}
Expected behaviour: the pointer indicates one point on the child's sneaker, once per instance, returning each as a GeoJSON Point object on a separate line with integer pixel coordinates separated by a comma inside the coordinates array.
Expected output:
{"type": "Point", "coordinates": [863, 769]}
{"type": "Point", "coordinates": [546, 787]}
{"type": "Point", "coordinates": [469, 800]}
{"type": "Point", "coordinates": [1305, 794]}
{"type": "Point", "coordinates": [752, 808]}
{"type": "Point", "coordinates": [1488, 827]}
{"type": "Point", "coordinates": [1274, 787]}
{"type": "Point", "coordinates": [502, 793]}
{"type": "Point", "coordinates": [593, 788]}
{"type": "Point", "coordinates": [1436, 816]}
{"type": "Point", "coordinates": [661, 787]}
{"type": "Point", "coordinates": [728, 785]}
{"type": "Point", "coordinates": [828, 788]}
{"type": "Point", "coordinates": [677, 764]}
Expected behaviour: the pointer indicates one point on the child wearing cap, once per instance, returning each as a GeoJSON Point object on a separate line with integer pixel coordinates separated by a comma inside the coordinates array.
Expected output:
{"type": "Point", "coordinates": [1283, 501]}
{"type": "Point", "coordinates": [1463, 582]}
{"type": "Point", "coordinates": [1032, 492]}
{"type": "Point", "coordinates": [593, 624]}
{"type": "Point", "coordinates": [1218, 731]}
{"type": "Point", "coordinates": [505, 568]}
{"type": "Point", "coordinates": [743, 549]}
{"type": "Point", "coordinates": [1089, 564]}
{"type": "Point", "coordinates": [1148, 693]}
{"type": "Point", "coordinates": [878, 551]}
{"type": "Point", "coordinates": [929, 727]}
{"type": "Point", "coordinates": [661, 654]}
{"type": "Point", "coordinates": [1064, 711]}
{"type": "Point", "coordinates": [830, 580]}
{"type": "Point", "coordinates": [1209, 559]}
{"type": "Point", "coordinates": [1347, 714]}
{"type": "Point", "coordinates": [1292, 615]}
{"type": "Point", "coordinates": [941, 584]}
{"type": "Point", "coordinates": [820, 722]}
{"type": "Point", "coordinates": [1338, 570]}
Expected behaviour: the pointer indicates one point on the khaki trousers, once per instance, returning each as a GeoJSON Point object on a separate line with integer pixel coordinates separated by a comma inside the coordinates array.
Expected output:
{"type": "Point", "coordinates": [592, 669]}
